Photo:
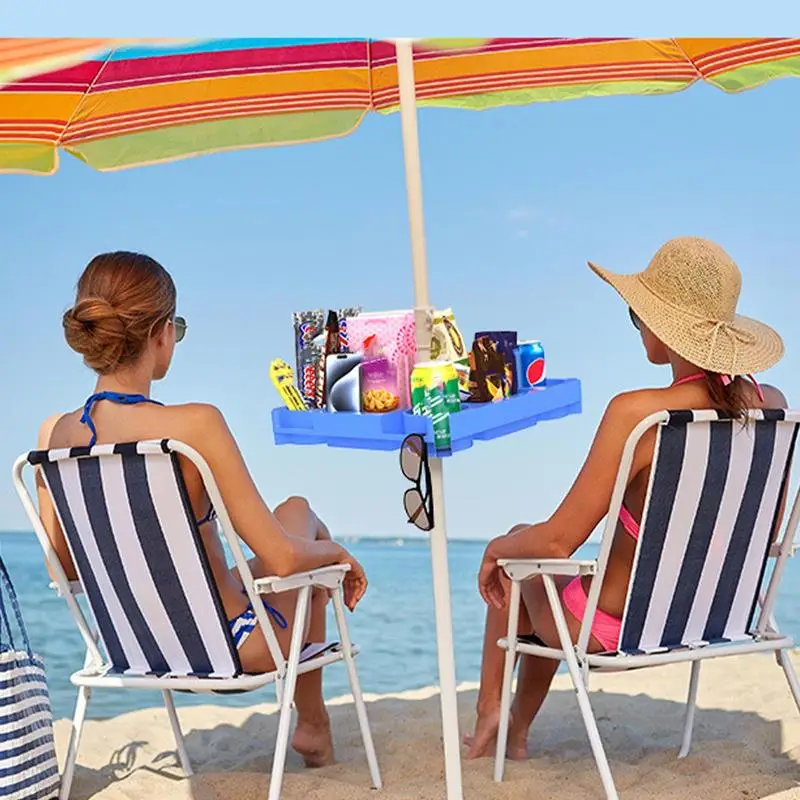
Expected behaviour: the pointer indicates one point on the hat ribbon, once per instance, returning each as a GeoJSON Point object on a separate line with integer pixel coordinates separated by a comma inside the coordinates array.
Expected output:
{"type": "Point", "coordinates": [708, 329]}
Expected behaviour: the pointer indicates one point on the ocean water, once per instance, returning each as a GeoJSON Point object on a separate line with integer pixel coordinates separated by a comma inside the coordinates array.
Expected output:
{"type": "Point", "coordinates": [394, 623]}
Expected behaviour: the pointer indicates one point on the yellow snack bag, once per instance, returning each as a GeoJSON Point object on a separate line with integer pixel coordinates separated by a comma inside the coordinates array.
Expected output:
{"type": "Point", "coordinates": [282, 376]}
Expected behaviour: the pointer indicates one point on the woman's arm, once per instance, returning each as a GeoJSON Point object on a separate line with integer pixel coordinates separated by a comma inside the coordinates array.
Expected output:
{"type": "Point", "coordinates": [281, 553]}
{"type": "Point", "coordinates": [588, 499]}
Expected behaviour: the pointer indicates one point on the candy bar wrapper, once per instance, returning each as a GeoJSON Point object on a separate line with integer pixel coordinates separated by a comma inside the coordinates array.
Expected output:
{"type": "Point", "coordinates": [488, 382]}
{"type": "Point", "coordinates": [505, 343]}
{"type": "Point", "coordinates": [309, 340]}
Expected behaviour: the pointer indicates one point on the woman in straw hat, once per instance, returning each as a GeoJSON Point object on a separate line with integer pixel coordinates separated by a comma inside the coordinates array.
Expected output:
{"type": "Point", "coordinates": [684, 308]}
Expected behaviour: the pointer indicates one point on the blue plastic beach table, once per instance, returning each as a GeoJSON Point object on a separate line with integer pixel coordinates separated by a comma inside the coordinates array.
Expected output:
{"type": "Point", "coordinates": [550, 400]}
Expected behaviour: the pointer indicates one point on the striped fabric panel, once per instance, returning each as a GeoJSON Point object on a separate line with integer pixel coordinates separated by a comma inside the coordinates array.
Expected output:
{"type": "Point", "coordinates": [139, 557]}
{"type": "Point", "coordinates": [203, 96]}
{"type": "Point", "coordinates": [21, 58]}
{"type": "Point", "coordinates": [154, 101]}
{"type": "Point", "coordinates": [28, 766]}
{"type": "Point", "coordinates": [496, 72]}
{"type": "Point", "coordinates": [712, 503]}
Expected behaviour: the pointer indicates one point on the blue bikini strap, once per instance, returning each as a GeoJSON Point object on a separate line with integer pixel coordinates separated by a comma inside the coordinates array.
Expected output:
{"type": "Point", "coordinates": [114, 397]}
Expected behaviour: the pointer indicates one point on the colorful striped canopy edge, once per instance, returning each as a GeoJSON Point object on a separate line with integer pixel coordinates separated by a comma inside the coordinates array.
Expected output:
{"type": "Point", "coordinates": [21, 58]}
{"type": "Point", "coordinates": [147, 101]}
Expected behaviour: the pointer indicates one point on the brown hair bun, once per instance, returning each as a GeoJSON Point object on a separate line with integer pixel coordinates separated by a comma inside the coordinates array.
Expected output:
{"type": "Point", "coordinates": [121, 300]}
{"type": "Point", "coordinates": [95, 330]}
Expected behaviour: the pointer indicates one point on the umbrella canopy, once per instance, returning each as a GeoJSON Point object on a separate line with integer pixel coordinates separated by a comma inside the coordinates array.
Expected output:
{"type": "Point", "coordinates": [117, 104]}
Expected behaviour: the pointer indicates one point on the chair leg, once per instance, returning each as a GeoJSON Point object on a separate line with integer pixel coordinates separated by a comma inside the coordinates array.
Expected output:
{"type": "Point", "coordinates": [580, 688]}
{"type": "Point", "coordinates": [782, 657]}
{"type": "Point", "coordinates": [183, 756]}
{"type": "Point", "coordinates": [508, 676]}
{"type": "Point", "coordinates": [791, 675]}
{"type": "Point", "coordinates": [355, 688]}
{"type": "Point", "coordinates": [84, 694]}
{"type": "Point", "coordinates": [691, 704]}
{"type": "Point", "coordinates": [285, 718]}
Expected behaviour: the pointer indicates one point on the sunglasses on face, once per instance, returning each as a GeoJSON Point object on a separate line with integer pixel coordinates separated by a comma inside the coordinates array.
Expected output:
{"type": "Point", "coordinates": [180, 328]}
{"type": "Point", "coordinates": [417, 501]}
{"type": "Point", "coordinates": [637, 323]}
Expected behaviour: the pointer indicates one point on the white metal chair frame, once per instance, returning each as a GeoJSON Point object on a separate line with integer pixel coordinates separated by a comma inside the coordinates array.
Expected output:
{"type": "Point", "coordinates": [580, 662]}
{"type": "Point", "coordinates": [94, 673]}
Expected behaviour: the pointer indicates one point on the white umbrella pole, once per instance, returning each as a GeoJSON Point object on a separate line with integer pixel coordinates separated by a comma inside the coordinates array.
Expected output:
{"type": "Point", "coordinates": [438, 536]}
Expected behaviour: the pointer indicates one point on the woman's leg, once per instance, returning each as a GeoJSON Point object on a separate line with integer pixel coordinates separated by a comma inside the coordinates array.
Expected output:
{"type": "Point", "coordinates": [481, 742]}
{"type": "Point", "coordinates": [536, 674]}
{"type": "Point", "coordinates": [312, 737]}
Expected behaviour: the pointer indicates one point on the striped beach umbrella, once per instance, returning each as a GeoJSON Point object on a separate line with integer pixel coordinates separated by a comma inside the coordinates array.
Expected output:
{"type": "Point", "coordinates": [117, 104]}
{"type": "Point", "coordinates": [124, 103]}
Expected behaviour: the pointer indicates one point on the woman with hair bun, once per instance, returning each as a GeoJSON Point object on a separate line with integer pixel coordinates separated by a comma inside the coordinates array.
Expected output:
{"type": "Point", "coordinates": [124, 324]}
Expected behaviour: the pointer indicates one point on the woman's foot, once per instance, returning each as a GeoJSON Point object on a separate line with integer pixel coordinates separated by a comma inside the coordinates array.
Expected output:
{"type": "Point", "coordinates": [517, 749]}
{"type": "Point", "coordinates": [313, 741]}
{"type": "Point", "coordinates": [483, 741]}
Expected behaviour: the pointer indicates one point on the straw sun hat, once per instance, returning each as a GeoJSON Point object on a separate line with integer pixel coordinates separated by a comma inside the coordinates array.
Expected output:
{"type": "Point", "coordinates": [687, 297]}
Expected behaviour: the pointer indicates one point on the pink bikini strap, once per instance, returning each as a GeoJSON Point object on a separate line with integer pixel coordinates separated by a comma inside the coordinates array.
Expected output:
{"type": "Point", "coordinates": [628, 522]}
{"type": "Point", "coordinates": [696, 377]}
{"type": "Point", "coordinates": [758, 388]}
{"type": "Point", "coordinates": [727, 380]}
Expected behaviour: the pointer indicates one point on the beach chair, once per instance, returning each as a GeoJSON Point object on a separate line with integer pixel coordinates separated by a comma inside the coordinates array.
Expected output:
{"type": "Point", "coordinates": [157, 613]}
{"type": "Point", "coordinates": [698, 588]}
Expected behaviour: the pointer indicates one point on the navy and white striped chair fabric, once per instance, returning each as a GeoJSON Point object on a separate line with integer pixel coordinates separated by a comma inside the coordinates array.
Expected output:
{"type": "Point", "coordinates": [141, 564]}
{"type": "Point", "coordinates": [136, 546]}
{"type": "Point", "coordinates": [698, 587]}
{"type": "Point", "coordinates": [706, 529]}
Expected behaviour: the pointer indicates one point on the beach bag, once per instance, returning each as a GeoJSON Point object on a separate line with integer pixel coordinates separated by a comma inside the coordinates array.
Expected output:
{"type": "Point", "coordinates": [28, 766]}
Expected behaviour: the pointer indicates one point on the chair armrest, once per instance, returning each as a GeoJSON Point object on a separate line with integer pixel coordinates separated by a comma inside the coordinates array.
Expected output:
{"type": "Point", "coordinates": [75, 587]}
{"type": "Point", "coordinates": [520, 569]}
{"type": "Point", "coordinates": [328, 577]}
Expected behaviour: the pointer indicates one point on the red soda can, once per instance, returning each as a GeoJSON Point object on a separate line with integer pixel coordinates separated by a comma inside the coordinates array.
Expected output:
{"type": "Point", "coordinates": [529, 357]}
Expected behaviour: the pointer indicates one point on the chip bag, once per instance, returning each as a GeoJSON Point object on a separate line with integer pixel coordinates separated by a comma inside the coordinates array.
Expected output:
{"type": "Point", "coordinates": [447, 344]}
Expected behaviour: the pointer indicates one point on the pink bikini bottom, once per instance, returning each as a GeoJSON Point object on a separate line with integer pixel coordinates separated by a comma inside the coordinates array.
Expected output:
{"type": "Point", "coordinates": [606, 627]}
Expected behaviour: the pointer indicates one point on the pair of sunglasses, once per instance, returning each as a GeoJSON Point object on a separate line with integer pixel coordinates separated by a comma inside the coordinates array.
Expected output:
{"type": "Point", "coordinates": [180, 328]}
{"type": "Point", "coordinates": [637, 323]}
{"type": "Point", "coordinates": [417, 501]}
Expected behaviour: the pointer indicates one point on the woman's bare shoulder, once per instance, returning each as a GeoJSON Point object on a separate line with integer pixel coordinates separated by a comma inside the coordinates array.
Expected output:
{"type": "Point", "coordinates": [627, 409]}
{"type": "Point", "coordinates": [48, 434]}
{"type": "Point", "coordinates": [195, 422]}
{"type": "Point", "coordinates": [774, 397]}
{"type": "Point", "coordinates": [639, 403]}
{"type": "Point", "coordinates": [195, 412]}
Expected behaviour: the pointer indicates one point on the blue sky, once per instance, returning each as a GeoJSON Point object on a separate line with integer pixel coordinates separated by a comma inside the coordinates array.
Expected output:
{"type": "Point", "coordinates": [516, 200]}
{"type": "Point", "coordinates": [407, 18]}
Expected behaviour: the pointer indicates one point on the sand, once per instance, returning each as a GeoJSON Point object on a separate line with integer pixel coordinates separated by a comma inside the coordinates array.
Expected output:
{"type": "Point", "coordinates": [747, 745]}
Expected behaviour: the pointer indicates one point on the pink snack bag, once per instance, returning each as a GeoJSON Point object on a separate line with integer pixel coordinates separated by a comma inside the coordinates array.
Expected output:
{"type": "Point", "coordinates": [394, 333]}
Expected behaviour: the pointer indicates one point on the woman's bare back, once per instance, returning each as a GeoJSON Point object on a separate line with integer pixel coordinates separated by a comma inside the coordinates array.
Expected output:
{"type": "Point", "coordinates": [687, 396]}
{"type": "Point", "coordinates": [117, 423]}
